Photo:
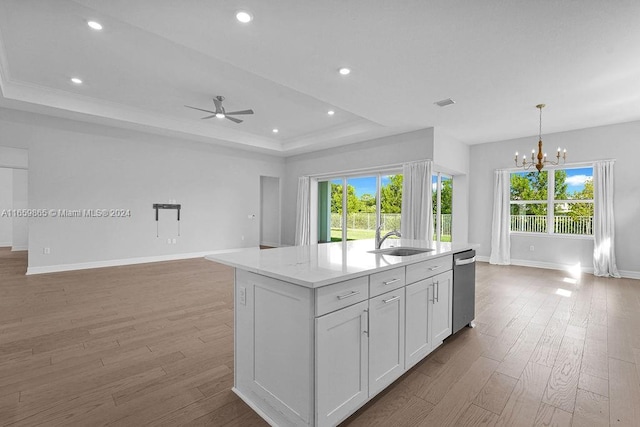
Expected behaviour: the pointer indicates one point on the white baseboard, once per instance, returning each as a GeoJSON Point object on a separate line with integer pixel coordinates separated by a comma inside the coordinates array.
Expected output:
{"type": "Point", "coordinates": [630, 274]}
{"type": "Point", "coordinates": [5, 244]}
{"type": "Point", "coordinates": [555, 266]}
{"type": "Point", "coordinates": [119, 262]}
{"type": "Point", "coordinates": [19, 248]}
{"type": "Point", "coordinates": [548, 265]}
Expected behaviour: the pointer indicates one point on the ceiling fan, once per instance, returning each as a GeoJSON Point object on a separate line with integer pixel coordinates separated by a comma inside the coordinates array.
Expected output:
{"type": "Point", "coordinates": [220, 111]}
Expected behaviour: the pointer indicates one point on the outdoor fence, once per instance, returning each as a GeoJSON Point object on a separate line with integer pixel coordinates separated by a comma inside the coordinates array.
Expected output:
{"type": "Point", "coordinates": [389, 221]}
{"type": "Point", "coordinates": [562, 224]}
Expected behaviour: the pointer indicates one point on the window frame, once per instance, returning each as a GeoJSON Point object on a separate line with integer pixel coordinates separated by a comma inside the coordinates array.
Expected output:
{"type": "Point", "coordinates": [550, 202]}
{"type": "Point", "coordinates": [344, 179]}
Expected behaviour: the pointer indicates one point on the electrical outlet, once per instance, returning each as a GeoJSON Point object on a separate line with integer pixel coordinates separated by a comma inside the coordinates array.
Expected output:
{"type": "Point", "coordinates": [168, 241]}
{"type": "Point", "coordinates": [173, 241]}
{"type": "Point", "coordinates": [532, 248]}
{"type": "Point", "coordinates": [242, 295]}
{"type": "Point", "coordinates": [46, 251]}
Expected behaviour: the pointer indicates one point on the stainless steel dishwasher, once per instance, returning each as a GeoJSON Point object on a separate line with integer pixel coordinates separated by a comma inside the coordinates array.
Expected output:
{"type": "Point", "coordinates": [464, 289]}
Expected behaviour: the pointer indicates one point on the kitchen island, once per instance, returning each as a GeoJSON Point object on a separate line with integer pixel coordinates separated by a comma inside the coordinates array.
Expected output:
{"type": "Point", "coordinates": [321, 329]}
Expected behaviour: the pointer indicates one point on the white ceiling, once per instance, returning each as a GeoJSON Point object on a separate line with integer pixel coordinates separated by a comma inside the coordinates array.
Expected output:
{"type": "Point", "coordinates": [497, 59]}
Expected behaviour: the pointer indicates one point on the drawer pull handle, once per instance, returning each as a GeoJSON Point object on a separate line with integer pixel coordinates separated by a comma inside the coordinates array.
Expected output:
{"type": "Point", "coordinates": [352, 293]}
{"type": "Point", "coordinates": [390, 282]}
{"type": "Point", "coordinates": [434, 268]}
{"type": "Point", "coordinates": [387, 301]}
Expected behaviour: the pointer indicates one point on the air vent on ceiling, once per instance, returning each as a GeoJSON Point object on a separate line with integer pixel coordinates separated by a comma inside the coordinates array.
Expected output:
{"type": "Point", "coordinates": [445, 102]}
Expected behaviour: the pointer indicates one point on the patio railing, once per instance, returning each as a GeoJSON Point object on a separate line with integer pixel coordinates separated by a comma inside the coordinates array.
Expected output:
{"type": "Point", "coordinates": [562, 224]}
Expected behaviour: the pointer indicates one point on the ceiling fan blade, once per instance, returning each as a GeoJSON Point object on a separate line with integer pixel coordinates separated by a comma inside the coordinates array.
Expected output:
{"type": "Point", "coordinates": [241, 112]}
{"type": "Point", "coordinates": [233, 119]}
{"type": "Point", "coordinates": [200, 109]}
{"type": "Point", "coordinates": [208, 117]}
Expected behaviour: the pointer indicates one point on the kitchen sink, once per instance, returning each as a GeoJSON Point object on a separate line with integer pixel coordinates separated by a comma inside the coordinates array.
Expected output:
{"type": "Point", "coordinates": [401, 251]}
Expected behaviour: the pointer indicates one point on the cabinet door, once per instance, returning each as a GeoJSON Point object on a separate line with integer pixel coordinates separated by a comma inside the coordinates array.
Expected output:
{"type": "Point", "coordinates": [442, 307]}
{"type": "Point", "coordinates": [341, 363]}
{"type": "Point", "coordinates": [418, 327]}
{"type": "Point", "coordinates": [386, 339]}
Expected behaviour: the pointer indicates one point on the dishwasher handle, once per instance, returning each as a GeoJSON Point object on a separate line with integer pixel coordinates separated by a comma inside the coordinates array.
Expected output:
{"type": "Point", "coordinates": [465, 261]}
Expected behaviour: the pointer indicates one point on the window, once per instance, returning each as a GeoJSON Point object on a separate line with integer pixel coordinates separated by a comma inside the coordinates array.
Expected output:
{"type": "Point", "coordinates": [555, 201]}
{"type": "Point", "coordinates": [351, 208]}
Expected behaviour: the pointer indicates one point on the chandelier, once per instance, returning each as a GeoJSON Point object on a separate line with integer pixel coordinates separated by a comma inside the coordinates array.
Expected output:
{"type": "Point", "coordinates": [541, 158]}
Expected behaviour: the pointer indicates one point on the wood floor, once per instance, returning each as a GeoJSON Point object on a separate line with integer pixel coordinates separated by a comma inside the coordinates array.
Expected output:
{"type": "Point", "coordinates": [152, 344]}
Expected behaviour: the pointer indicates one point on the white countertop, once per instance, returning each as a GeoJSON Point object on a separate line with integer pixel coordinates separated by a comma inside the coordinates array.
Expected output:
{"type": "Point", "coordinates": [326, 263]}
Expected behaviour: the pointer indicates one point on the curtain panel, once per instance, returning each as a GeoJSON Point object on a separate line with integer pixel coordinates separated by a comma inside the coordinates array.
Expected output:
{"type": "Point", "coordinates": [500, 240]}
{"type": "Point", "coordinates": [417, 213]}
{"type": "Point", "coordinates": [604, 258]}
{"type": "Point", "coordinates": [303, 212]}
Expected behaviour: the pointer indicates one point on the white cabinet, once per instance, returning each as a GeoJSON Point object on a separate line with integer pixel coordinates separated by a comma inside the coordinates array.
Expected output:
{"type": "Point", "coordinates": [418, 322]}
{"type": "Point", "coordinates": [313, 356]}
{"type": "Point", "coordinates": [442, 306]}
{"type": "Point", "coordinates": [386, 339]}
{"type": "Point", "coordinates": [428, 312]}
{"type": "Point", "coordinates": [341, 363]}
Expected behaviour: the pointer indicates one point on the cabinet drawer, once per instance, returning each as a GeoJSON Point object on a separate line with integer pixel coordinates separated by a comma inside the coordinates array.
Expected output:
{"type": "Point", "coordinates": [386, 281]}
{"type": "Point", "coordinates": [334, 297]}
{"type": "Point", "coordinates": [424, 269]}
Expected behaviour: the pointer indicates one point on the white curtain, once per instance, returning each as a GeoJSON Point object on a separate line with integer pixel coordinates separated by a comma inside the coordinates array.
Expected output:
{"type": "Point", "coordinates": [417, 215]}
{"type": "Point", "coordinates": [303, 212]}
{"type": "Point", "coordinates": [500, 241]}
{"type": "Point", "coordinates": [604, 258]}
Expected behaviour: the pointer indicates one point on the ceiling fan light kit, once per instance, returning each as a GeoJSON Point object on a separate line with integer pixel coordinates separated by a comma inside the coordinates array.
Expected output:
{"type": "Point", "coordinates": [220, 112]}
{"type": "Point", "coordinates": [541, 159]}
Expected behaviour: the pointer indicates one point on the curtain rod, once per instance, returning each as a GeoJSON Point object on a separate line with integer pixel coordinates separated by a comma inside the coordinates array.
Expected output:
{"type": "Point", "coordinates": [352, 172]}
{"type": "Point", "coordinates": [563, 166]}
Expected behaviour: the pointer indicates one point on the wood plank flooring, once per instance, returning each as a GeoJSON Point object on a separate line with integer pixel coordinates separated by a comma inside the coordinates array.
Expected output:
{"type": "Point", "coordinates": [152, 344]}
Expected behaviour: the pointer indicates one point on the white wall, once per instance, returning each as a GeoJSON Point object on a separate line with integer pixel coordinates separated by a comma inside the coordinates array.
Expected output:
{"type": "Point", "coordinates": [620, 142]}
{"type": "Point", "coordinates": [269, 211]}
{"type": "Point", "coordinates": [20, 201]}
{"type": "Point", "coordinates": [75, 165]}
{"type": "Point", "coordinates": [11, 157]}
{"type": "Point", "coordinates": [6, 203]}
{"type": "Point", "coordinates": [452, 157]}
{"type": "Point", "coordinates": [389, 150]}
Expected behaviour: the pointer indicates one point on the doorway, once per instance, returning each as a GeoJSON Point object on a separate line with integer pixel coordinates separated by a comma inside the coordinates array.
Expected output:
{"type": "Point", "coordinates": [269, 211]}
{"type": "Point", "coordinates": [14, 225]}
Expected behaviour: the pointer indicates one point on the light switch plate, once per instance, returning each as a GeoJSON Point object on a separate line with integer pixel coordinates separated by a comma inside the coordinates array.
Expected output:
{"type": "Point", "coordinates": [242, 295]}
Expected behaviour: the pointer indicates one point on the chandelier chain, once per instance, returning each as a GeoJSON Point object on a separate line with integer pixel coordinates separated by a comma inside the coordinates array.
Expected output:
{"type": "Point", "coordinates": [540, 129]}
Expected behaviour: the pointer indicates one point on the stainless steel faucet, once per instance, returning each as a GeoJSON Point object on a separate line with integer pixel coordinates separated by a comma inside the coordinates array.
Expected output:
{"type": "Point", "coordinates": [380, 240]}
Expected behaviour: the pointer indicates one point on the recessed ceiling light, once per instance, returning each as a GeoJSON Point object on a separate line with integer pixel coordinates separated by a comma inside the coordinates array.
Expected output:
{"type": "Point", "coordinates": [244, 16]}
{"type": "Point", "coordinates": [76, 80]}
{"type": "Point", "coordinates": [331, 112]}
{"type": "Point", "coordinates": [344, 71]}
{"type": "Point", "coordinates": [275, 130]}
{"type": "Point", "coordinates": [95, 25]}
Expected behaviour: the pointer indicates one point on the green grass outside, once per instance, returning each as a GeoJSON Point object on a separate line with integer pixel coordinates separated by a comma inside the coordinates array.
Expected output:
{"type": "Point", "coordinates": [358, 234]}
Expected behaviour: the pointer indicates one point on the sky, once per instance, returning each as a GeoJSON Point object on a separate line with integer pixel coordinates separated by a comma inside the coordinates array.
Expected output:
{"type": "Point", "coordinates": [367, 185]}
{"type": "Point", "coordinates": [576, 178]}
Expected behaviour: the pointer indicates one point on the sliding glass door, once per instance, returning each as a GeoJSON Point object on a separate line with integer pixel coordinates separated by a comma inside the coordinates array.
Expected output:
{"type": "Point", "coordinates": [442, 186]}
{"type": "Point", "coordinates": [352, 207]}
